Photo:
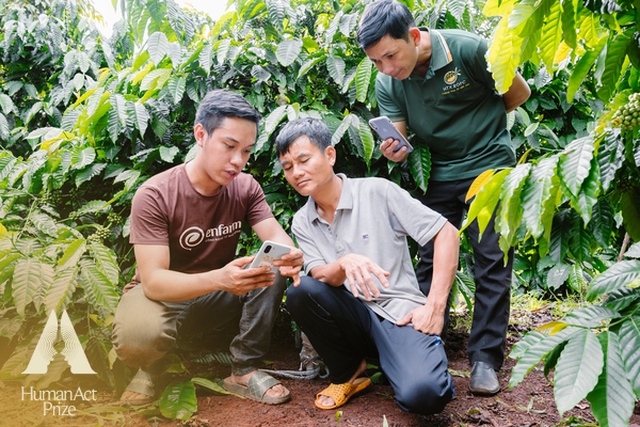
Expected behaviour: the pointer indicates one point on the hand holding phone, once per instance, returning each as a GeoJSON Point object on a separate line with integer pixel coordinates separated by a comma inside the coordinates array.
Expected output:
{"type": "Point", "coordinates": [269, 252]}
{"type": "Point", "coordinates": [385, 129]}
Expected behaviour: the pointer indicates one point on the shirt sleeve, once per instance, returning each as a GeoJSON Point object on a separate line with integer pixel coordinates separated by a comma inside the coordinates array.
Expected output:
{"type": "Point", "coordinates": [301, 228]}
{"type": "Point", "coordinates": [258, 209]}
{"type": "Point", "coordinates": [149, 221]}
{"type": "Point", "coordinates": [409, 216]}
{"type": "Point", "coordinates": [386, 102]}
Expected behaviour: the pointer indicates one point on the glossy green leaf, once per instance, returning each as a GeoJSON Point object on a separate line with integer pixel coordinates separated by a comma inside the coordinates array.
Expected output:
{"type": "Point", "coordinates": [616, 54]}
{"type": "Point", "coordinates": [630, 203]}
{"type": "Point", "coordinates": [578, 369]}
{"type": "Point", "coordinates": [61, 290]}
{"type": "Point", "coordinates": [537, 191]}
{"type": "Point", "coordinates": [30, 278]}
{"type": "Point", "coordinates": [288, 51]}
{"type": "Point", "coordinates": [100, 292]}
{"type": "Point", "coordinates": [581, 69]}
{"type": "Point", "coordinates": [569, 23]}
{"type": "Point", "coordinates": [590, 316]}
{"type": "Point", "coordinates": [420, 165]}
{"type": "Point", "coordinates": [363, 79]}
{"type": "Point", "coordinates": [629, 334]}
{"type": "Point", "coordinates": [616, 277]}
{"type": "Point", "coordinates": [551, 35]}
{"type": "Point", "coordinates": [106, 262]}
{"type": "Point", "coordinates": [532, 349]}
{"type": "Point", "coordinates": [368, 141]}
{"type": "Point", "coordinates": [336, 67]}
{"type": "Point", "coordinates": [510, 210]}
{"type": "Point", "coordinates": [178, 401]}
{"type": "Point", "coordinates": [157, 46]}
{"type": "Point", "coordinates": [485, 202]}
{"type": "Point", "coordinates": [612, 400]}
{"type": "Point", "coordinates": [575, 164]}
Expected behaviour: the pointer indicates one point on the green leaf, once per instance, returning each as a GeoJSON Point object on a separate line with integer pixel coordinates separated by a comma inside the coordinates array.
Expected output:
{"type": "Point", "coordinates": [630, 203]}
{"type": "Point", "coordinates": [82, 157]}
{"type": "Point", "coordinates": [155, 79]}
{"type": "Point", "coordinates": [630, 335]}
{"type": "Point", "coordinates": [100, 292]}
{"type": "Point", "coordinates": [612, 400]}
{"type": "Point", "coordinates": [551, 35]}
{"type": "Point", "coordinates": [368, 141]}
{"type": "Point", "coordinates": [510, 210]}
{"type": "Point", "coordinates": [44, 223]}
{"type": "Point", "coordinates": [420, 165]}
{"type": "Point", "coordinates": [157, 46]}
{"type": "Point", "coordinates": [93, 206]}
{"type": "Point", "coordinates": [310, 64]}
{"type": "Point", "coordinates": [581, 69]}
{"type": "Point", "coordinates": [106, 262]}
{"type": "Point", "coordinates": [484, 204]}
{"type": "Point", "coordinates": [6, 103]}
{"type": "Point", "coordinates": [578, 369]}
{"type": "Point", "coordinates": [363, 78]}
{"type": "Point", "coordinates": [71, 254]}
{"type": "Point", "coordinates": [30, 276]}
{"type": "Point", "coordinates": [89, 172]}
{"type": "Point", "coordinates": [176, 87]}
{"type": "Point", "coordinates": [178, 401]}
{"type": "Point", "coordinates": [210, 385]}
{"type": "Point", "coordinates": [140, 116]}
{"type": "Point", "coordinates": [590, 316]}
{"type": "Point", "coordinates": [532, 349]}
{"type": "Point", "coordinates": [168, 154]}
{"type": "Point", "coordinates": [616, 54]}
{"type": "Point", "coordinates": [61, 290]}
{"type": "Point", "coordinates": [619, 275]}
{"type": "Point", "coordinates": [336, 67]}
{"type": "Point", "coordinates": [569, 23]}
{"type": "Point", "coordinates": [588, 196]}
{"type": "Point", "coordinates": [536, 193]}
{"type": "Point", "coordinates": [610, 156]}
{"type": "Point", "coordinates": [575, 164]}
{"type": "Point", "coordinates": [288, 51]}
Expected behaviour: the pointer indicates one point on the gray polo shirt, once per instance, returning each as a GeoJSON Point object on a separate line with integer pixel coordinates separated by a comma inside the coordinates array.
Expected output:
{"type": "Point", "coordinates": [373, 218]}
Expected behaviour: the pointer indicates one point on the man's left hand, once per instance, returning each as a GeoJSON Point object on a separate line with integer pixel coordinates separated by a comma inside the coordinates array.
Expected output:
{"type": "Point", "coordinates": [423, 320]}
{"type": "Point", "coordinates": [291, 265]}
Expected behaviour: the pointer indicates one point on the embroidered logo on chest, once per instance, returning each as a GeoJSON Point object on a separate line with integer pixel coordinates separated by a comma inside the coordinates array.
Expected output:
{"type": "Point", "coordinates": [451, 76]}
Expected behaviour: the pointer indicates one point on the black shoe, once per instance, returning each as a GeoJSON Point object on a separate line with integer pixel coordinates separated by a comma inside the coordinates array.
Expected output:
{"type": "Point", "coordinates": [484, 380]}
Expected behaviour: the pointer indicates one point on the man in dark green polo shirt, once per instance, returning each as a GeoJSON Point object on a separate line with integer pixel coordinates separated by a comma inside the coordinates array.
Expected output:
{"type": "Point", "coordinates": [436, 83]}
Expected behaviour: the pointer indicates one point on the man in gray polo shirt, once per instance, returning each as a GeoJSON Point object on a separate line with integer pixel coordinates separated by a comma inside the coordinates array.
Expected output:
{"type": "Point", "coordinates": [360, 298]}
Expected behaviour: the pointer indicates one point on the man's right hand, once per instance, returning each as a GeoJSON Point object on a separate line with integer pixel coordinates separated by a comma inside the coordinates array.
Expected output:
{"type": "Point", "coordinates": [237, 280]}
{"type": "Point", "coordinates": [387, 148]}
{"type": "Point", "coordinates": [359, 270]}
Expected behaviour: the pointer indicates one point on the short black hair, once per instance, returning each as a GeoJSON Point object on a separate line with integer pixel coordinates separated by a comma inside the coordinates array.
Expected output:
{"type": "Point", "coordinates": [382, 18]}
{"type": "Point", "coordinates": [314, 129]}
{"type": "Point", "coordinates": [219, 104]}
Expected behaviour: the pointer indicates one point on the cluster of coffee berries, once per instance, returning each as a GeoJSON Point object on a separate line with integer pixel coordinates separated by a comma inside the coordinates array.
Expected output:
{"type": "Point", "coordinates": [102, 233]}
{"type": "Point", "coordinates": [628, 116]}
{"type": "Point", "coordinates": [114, 218]}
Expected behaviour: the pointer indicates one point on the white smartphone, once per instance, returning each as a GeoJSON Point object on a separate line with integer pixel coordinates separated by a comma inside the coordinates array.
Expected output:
{"type": "Point", "coordinates": [269, 252]}
{"type": "Point", "coordinates": [385, 129]}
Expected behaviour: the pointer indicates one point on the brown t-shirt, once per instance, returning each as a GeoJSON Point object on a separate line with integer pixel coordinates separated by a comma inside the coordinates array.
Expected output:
{"type": "Point", "coordinates": [202, 232]}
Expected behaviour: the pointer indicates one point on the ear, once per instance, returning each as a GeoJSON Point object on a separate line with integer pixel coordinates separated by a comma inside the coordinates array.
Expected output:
{"type": "Point", "coordinates": [330, 152]}
{"type": "Point", "coordinates": [199, 133]}
{"type": "Point", "coordinates": [415, 35]}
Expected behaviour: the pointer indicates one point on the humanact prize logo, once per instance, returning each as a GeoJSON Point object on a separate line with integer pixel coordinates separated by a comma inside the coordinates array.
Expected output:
{"type": "Point", "coordinates": [52, 400]}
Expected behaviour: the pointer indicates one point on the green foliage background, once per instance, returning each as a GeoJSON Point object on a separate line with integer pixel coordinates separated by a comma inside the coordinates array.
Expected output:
{"type": "Point", "coordinates": [84, 119]}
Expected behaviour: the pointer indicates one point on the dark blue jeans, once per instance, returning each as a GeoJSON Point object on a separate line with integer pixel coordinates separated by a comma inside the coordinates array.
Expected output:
{"type": "Point", "coordinates": [344, 331]}
{"type": "Point", "coordinates": [145, 330]}
{"type": "Point", "coordinates": [493, 278]}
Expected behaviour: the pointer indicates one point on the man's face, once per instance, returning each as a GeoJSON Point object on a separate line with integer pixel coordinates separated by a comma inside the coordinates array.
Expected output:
{"type": "Point", "coordinates": [307, 168]}
{"type": "Point", "coordinates": [395, 57]}
{"type": "Point", "coordinates": [224, 153]}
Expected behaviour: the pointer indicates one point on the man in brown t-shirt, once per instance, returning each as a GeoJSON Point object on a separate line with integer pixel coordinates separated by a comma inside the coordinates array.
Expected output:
{"type": "Point", "coordinates": [185, 227]}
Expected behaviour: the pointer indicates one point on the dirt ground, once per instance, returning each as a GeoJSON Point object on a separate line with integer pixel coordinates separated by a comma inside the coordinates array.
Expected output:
{"type": "Point", "coordinates": [530, 404]}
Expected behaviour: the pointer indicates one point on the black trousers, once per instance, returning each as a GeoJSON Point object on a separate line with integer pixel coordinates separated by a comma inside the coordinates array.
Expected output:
{"type": "Point", "coordinates": [343, 330]}
{"type": "Point", "coordinates": [493, 278]}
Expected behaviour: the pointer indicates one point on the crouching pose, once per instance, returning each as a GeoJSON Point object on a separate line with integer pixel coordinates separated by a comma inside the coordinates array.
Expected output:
{"type": "Point", "coordinates": [185, 227]}
{"type": "Point", "coordinates": [360, 298]}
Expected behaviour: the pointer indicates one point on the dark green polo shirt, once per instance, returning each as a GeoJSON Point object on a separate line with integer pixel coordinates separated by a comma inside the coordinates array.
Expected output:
{"type": "Point", "coordinates": [455, 108]}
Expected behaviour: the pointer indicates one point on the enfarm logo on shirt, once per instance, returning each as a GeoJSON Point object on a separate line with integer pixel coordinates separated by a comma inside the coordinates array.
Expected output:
{"type": "Point", "coordinates": [194, 236]}
{"type": "Point", "coordinates": [57, 402]}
